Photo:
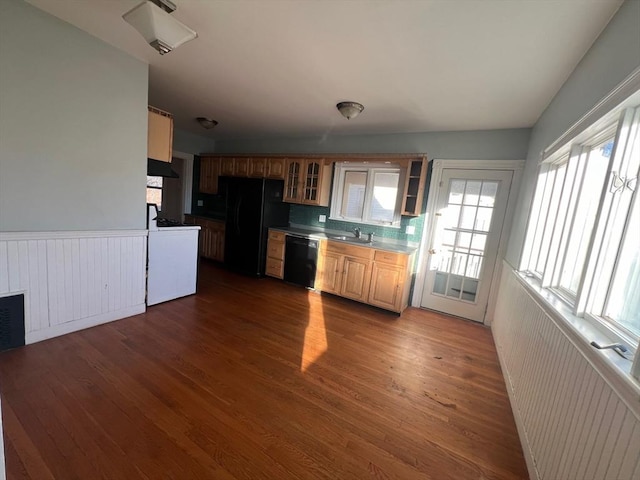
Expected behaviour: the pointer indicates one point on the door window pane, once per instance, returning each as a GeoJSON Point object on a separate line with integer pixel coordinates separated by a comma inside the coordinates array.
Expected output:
{"type": "Point", "coordinates": [468, 217]}
{"type": "Point", "coordinates": [472, 192]}
{"type": "Point", "coordinates": [456, 191]}
{"type": "Point", "coordinates": [483, 219]}
{"type": "Point", "coordinates": [488, 195]}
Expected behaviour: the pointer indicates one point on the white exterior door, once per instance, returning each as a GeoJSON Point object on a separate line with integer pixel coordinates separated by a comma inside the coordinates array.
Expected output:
{"type": "Point", "coordinates": [468, 218]}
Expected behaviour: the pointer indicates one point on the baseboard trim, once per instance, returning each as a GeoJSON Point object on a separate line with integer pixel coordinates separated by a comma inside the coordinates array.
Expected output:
{"type": "Point", "coordinates": [81, 324]}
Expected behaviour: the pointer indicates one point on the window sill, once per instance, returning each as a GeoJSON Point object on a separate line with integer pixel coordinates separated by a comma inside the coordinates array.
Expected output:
{"type": "Point", "coordinates": [614, 369]}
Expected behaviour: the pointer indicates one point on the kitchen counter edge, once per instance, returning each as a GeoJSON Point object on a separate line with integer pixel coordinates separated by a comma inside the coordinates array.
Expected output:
{"type": "Point", "coordinates": [377, 244]}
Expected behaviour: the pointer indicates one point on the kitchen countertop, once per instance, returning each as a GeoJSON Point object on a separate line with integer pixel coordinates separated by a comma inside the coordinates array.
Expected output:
{"type": "Point", "coordinates": [379, 244]}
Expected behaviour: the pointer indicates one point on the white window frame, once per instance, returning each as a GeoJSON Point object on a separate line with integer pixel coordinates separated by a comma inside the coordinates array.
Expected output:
{"type": "Point", "coordinates": [155, 187]}
{"type": "Point", "coordinates": [610, 226]}
{"type": "Point", "coordinates": [341, 168]}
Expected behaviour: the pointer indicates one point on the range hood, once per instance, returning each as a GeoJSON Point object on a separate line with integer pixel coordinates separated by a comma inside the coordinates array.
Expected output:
{"type": "Point", "coordinates": [156, 168]}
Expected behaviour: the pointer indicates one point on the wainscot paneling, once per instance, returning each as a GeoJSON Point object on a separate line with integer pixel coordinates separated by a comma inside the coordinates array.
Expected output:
{"type": "Point", "coordinates": [74, 280]}
{"type": "Point", "coordinates": [573, 425]}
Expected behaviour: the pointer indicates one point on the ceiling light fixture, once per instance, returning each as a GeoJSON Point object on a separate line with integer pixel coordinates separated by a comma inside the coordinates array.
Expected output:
{"type": "Point", "coordinates": [153, 20]}
{"type": "Point", "coordinates": [207, 123]}
{"type": "Point", "coordinates": [350, 110]}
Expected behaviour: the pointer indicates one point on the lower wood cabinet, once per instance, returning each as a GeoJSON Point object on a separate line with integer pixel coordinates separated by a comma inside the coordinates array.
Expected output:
{"type": "Point", "coordinates": [390, 280]}
{"type": "Point", "coordinates": [380, 278]}
{"type": "Point", "coordinates": [345, 270]}
{"type": "Point", "coordinates": [275, 254]}
{"type": "Point", "coordinates": [211, 244]}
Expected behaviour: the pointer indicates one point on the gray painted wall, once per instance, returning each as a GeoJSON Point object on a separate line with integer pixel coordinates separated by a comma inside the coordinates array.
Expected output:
{"type": "Point", "coordinates": [508, 144]}
{"type": "Point", "coordinates": [611, 59]}
{"type": "Point", "coordinates": [73, 127]}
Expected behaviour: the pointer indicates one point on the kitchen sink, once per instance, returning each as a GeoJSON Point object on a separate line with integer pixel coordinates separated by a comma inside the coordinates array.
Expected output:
{"type": "Point", "coordinates": [349, 239]}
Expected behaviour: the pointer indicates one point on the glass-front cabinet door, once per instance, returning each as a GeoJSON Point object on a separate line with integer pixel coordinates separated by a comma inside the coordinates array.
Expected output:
{"type": "Point", "coordinates": [292, 192]}
{"type": "Point", "coordinates": [311, 182]}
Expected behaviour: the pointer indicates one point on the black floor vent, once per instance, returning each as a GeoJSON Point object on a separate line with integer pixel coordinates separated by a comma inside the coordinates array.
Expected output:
{"type": "Point", "coordinates": [11, 322]}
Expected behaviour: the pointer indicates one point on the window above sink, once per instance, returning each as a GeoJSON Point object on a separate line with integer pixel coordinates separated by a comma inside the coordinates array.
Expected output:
{"type": "Point", "coordinates": [367, 193]}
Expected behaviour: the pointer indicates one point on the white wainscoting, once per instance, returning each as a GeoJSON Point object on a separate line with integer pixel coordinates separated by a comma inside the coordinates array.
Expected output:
{"type": "Point", "coordinates": [74, 280]}
{"type": "Point", "coordinates": [572, 423]}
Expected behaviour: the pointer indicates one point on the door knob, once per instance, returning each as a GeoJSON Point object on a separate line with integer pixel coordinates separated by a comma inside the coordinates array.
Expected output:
{"type": "Point", "coordinates": [433, 251]}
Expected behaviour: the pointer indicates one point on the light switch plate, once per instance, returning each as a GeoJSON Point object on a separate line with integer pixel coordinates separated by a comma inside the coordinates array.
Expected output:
{"type": "Point", "coordinates": [410, 230]}
{"type": "Point", "coordinates": [322, 218]}
{"type": "Point", "coordinates": [200, 203]}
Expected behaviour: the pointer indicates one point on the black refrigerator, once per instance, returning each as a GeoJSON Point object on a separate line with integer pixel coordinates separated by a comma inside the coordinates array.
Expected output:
{"type": "Point", "coordinates": [253, 205]}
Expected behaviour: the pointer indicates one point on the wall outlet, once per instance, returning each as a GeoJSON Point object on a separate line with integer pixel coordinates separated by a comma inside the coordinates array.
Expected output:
{"type": "Point", "coordinates": [201, 203]}
{"type": "Point", "coordinates": [322, 218]}
{"type": "Point", "coordinates": [410, 230]}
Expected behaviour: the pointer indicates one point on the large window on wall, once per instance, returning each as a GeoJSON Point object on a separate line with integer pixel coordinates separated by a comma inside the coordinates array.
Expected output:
{"type": "Point", "coordinates": [365, 193]}
{"type": "Point", "coordinates": [583, 238]}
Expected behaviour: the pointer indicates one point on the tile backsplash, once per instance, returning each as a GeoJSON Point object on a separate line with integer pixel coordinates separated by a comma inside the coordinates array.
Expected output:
{"type": "Point", "coordinates": [308, 215]}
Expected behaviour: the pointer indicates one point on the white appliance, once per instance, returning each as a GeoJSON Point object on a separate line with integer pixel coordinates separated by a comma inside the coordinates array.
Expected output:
{"type": "Point", "coordinates": [172, 267]}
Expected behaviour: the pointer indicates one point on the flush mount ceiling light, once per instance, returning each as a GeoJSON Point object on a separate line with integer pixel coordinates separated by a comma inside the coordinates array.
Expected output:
{"type": "Point", "coordinates": [207, 123]}
{"type": "Point", "coordinates": [350, 110]}
{"type": "Point", "coordinates": [153, 20]}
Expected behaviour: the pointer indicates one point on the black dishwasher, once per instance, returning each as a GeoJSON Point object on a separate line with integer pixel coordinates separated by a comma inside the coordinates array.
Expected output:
{"type": "Point", "coordinates": [300, 258]}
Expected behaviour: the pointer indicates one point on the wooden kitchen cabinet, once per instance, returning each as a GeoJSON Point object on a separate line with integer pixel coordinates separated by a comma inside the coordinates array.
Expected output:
{"type": "Point", "coordinates": [209, 173]}
{"type": "Point", "coordinates": [275, 168]}
{"type": "Point", "coordinates": [227, 166]}
{"type": "Point", "coordinates": [293, 169]}
{"type": "Point", "coordinates": [159, 134]}
{"type": "Point", "coordinates": [275, 254]}
{"type": "Point", "coordinates": [390, 280]}
{"type": "Point", "coordinates": [307, 181]}
{"type": "Point", "coordinates": [345, 270]}
{"type": "Point", "coordinates": [377, 277]}
{"type": "Point", "coordinates": [329, 271]}
{"type": "Point", "coordinates": [211, 244]}
{"type": "Point", "coordinates": [356, 277]}
{"type": "Point", "coordinates": [241, 167]}
{"type": "Point", "coordinates": [415, 180]}
{"type": "Point", "coordinates": [258, 167]}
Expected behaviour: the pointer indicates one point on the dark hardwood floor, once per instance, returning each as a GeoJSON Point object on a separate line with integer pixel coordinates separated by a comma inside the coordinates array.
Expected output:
{"type": "Point", "coordinates": [257, 379]}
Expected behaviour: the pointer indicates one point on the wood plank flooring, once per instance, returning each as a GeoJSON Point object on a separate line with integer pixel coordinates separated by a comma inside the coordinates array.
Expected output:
{"type": "Point", "coordinates": [257, 379]}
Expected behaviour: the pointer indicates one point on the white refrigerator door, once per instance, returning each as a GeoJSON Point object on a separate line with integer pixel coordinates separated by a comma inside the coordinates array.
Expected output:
{"type": "Point", "coordinates": [173, 264]}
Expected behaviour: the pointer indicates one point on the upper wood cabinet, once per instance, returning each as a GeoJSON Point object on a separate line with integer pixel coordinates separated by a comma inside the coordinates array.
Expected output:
{"type": "Point", "coordinates": [258, 167]}
{"type": "Point", "coordinates": [226, 166]}
{"type": "Point", "coordinates": [209, 173]}
{"type": "Point", "coordinates": [159, 134]}
{"type": "Point", "coordinates": [275, 167]}
{"type": "Point", "coordinates": [307, 181]}
{"type": "Point", "coordinates": [241, 167]}
{"type": "Point", "coordinates": [415, 180]}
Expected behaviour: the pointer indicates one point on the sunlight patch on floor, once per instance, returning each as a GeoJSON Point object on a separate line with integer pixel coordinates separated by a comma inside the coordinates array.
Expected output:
{"type": "Point", "coordinates": [315, 336]}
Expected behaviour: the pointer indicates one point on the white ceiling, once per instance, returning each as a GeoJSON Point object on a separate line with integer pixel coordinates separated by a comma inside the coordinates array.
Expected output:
{"type": "Point", "coordinates": [277, 68]}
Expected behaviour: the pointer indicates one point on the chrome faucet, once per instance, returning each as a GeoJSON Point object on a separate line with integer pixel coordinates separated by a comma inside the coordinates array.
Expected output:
{"type": "Point", "coordinates": [356, 232]}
